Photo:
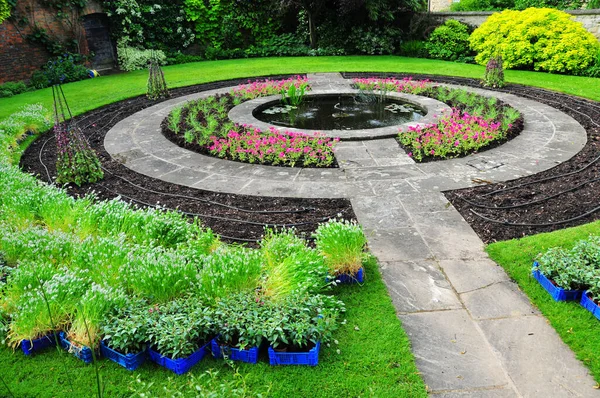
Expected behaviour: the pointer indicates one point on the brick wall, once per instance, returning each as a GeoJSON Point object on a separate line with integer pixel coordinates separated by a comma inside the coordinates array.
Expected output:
{"type": "Point", "coordinates": [18, 57]}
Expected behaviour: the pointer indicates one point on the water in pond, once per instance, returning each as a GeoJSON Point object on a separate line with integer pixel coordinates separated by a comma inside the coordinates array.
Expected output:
{"type": "Point", "coordinates": [339, 112]}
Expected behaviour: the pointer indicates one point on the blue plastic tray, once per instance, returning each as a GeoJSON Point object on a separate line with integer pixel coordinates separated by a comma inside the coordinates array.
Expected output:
{"type": "Point", "coordinates": [31, 346]}
{"type": "Point", "coordinates": [235, 354]}
{"type": "Point", "coordinates": [181, 365]}
{"type": "Point", "coordinates": [589, 305]}
{"type": "Point", "coordinates": [347, 279]}
{"type": "Point", "coordinates": [309, 358]}
{"type": "Point", "coordinates": [84, 353]}
{"type": "Point", "coordinates": [557, 293]}
{"type": "Point", "coordinates": [129, 361]}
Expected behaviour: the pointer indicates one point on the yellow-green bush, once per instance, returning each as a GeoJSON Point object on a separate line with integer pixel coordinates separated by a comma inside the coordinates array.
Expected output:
{"type": "Point", "coordinates": [536, 38]}
{"type": "Point", "coordinates": [4, 10]}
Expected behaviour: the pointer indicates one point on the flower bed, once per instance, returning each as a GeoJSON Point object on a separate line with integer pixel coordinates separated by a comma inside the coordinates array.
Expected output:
{"type": "Point", "coordinates": [204, 126]}
{"type": "Point", "coordinates": [476, 122]}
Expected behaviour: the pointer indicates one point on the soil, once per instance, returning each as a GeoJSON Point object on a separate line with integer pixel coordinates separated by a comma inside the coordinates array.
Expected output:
{"type": "Point", "coordinates": [557, 198]}
{"type": "Point", "coordinates": [236, 218]}
{"type": "Point", "coordinates": [561, 197]}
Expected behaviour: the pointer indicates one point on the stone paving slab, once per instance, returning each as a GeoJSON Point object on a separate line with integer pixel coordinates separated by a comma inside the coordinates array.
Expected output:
{"type": "Point", "coordinates": [499, 300]}
{"type": "Point", "coordinates": [469, 275]}
{"type": "Point", "coordinates": [418, 286]}
{"type": "Point", "coordinates": [495, 393]}
{"type": "Point", "coordinates": [403, 244]}
{"type": "Point", "coordinates": [451, 353]}
{"type": "Point", "coordinates": [538, 362]}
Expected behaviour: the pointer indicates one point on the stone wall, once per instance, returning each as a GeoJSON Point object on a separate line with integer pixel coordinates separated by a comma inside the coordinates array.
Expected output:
{"type": "Point", "coordinates": [589, 18]}
{"type": "Point", "coordinates": [19, 58]}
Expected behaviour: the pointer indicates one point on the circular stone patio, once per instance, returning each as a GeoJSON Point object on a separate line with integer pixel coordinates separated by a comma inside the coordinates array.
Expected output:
{"type": "Point", "coordinates": [473, 332]}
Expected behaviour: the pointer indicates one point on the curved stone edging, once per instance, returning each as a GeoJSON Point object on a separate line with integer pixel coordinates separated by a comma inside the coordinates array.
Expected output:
{"type": "Point", "coordinates": [242, 114]}
{"type": "Point", "coordinates": [366, 167]}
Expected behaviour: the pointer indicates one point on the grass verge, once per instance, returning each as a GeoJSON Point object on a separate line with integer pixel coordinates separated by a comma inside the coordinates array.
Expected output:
{"type": "Point", "coordinates": [90, 94]}
{"type": "Point", "coordinates": [374, 361]}
{"type": "Point", "coordinates": [577, 327]}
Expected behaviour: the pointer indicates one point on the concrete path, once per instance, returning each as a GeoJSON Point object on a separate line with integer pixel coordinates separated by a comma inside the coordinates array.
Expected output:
{"type": "Point", "coordinates": [473, 333]}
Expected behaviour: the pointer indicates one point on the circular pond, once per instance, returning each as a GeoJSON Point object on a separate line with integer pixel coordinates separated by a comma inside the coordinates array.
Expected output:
{"type": "Point", "coordinates": [340, 112]}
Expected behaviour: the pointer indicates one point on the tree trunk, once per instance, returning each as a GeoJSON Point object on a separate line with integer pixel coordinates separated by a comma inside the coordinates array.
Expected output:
{"type": "Point", "coordinates": [312, 30]}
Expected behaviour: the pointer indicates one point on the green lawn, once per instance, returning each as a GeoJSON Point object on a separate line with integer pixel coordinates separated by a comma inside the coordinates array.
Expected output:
{"type": "Point", "coordinates": [90, 94]}
{"type": "Point", "coordinates": [374, 360]}
{"type": "Point", "coordinates": [577, 327]}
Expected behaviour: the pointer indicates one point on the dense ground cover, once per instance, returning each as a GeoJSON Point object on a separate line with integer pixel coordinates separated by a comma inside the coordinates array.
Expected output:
{"type": "Point", "coordinates": [108, 89]}
{"type": "Point", "coordinates": [578, 328]}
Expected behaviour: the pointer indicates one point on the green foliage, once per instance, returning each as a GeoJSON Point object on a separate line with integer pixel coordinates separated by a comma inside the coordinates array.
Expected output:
{"type": "Point", "coordinates": [286, 44]}
{"type": "Point", "coordinates": [240, 318]}
{"type": "Point", "coordinates": [125, 330]}
{"type": "Point", "coordinates": [293, 95]}
{"type": "Point", "coordinates": [539, 39]}
{"type": "Point", "coordinates": [482, 5]}
{"type": "Point", "coordinates": [64, 68]}
{"type": "Point", "coordinates": [374, 40]}
{"type": "Point", "coordinates": [301, 320]}
{"type": "Point", "coordinates": [9, 89]}
{"type": "Point", "coordinates": [576, 269]}
{"type": "Point", "coordinates": [226, 24]}
{"type": "Point", "coordinates": [29, 120]}
{"type": "Point", "coordinates": [159, 24]}
{"type": "Point", "coordinates": [179, 58]}
{"type": "Point", "coordinates": [342, 244]}
{"type": "Point", "coordinates": [449, 41]}
{"type": "Point", "coordinates": [494, 73]}
{"type": "Point", "coordinates": [180, 327]}
{"type": "Point", "coordinates": [5, 9]}
{"type": "Point", "coordinates": [131, 58]}
{"type": "Point", "coordinates": [414, 48]}
{"type": "Point", "coordinates": [559, 4]}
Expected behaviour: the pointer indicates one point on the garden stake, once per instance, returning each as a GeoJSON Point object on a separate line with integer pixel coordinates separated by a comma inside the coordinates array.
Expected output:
{"type": "Point", "coordinates": [76, 162]}
{"type": "Point", "coordinates": [157, 85]}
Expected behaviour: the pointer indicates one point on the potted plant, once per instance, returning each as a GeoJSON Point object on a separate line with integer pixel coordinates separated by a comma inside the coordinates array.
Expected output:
{"type": "Point", "coordinates": [125, 336]}
{"type": "Point", "coordinates": [179, 334]}
{"type": "Point", "coordinates": [297, 327]}
{"type": "Point", "coordinates": [566, 274]}
{"type": "Point", "coordinates": [342, 244]}
{"type": "Point", "coordinates": [83, 337]}
{"type": "Point", "coordinates": [239, 321]}
{"type": "Point", "coordinates": [590, 299]}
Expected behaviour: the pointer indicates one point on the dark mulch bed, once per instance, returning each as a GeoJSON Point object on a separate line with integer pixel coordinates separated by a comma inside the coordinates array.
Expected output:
{"type": "Point", "coordinates": [551, 200]}
{"type": "Point", "coordinates": [237, 218]}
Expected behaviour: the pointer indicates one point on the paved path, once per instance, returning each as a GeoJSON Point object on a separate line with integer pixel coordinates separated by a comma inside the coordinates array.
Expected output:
{"type": "Point", "coordinates": [473, 332]}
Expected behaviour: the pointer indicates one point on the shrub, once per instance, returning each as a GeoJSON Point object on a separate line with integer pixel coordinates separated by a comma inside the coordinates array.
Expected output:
{"type": "Point", "coordinates": [278, 45]}
{"type": "Point", "coordinates": [179, 58]}
{"type": "Point", "coordinates": [449, 42]}
{"type": "Point", "coordinates": [482, 5]}
{"type": "Point", "coordinates": [375, 41]}
{"type": "Point", "coordinates": [540, 39]}
{"type": "Point", "coordinates": [65, 68]}
{"type": "Point", "coordinates": [559, 4]}
{"type": "Point", "coordinates": [131, 58]}
{"type": "Point", "coordinates": [12, 88]}
{"type": "Point", "coordinates": [414, 48]}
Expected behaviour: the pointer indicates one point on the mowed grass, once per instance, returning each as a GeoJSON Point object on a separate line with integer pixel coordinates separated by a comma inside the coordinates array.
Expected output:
{"type": "Point", "coordinates": [93, 93]}
{"type": "Point", "coordinates": [374, 361]}
{"type": "Point", "coordinates": [578, 328]}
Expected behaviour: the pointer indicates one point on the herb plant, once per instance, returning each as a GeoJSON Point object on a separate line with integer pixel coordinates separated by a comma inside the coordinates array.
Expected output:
{"type": "Point", "coordinates": [342, 244]}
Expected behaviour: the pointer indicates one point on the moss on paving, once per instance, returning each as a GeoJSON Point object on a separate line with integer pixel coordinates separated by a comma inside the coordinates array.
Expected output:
{"type": "Point", "coordinates": [374, 361]}
{"type": "Point", "coordinates": [577, 327]}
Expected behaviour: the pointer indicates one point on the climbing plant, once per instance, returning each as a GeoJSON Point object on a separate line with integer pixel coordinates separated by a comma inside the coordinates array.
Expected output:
{"type": "Point", "coordinates": [5, 8]}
